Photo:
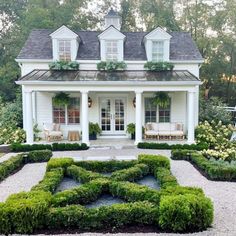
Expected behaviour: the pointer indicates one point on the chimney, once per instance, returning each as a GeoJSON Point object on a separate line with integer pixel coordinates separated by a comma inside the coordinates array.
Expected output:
{"type": "Point", "coordinates": [112, 18]}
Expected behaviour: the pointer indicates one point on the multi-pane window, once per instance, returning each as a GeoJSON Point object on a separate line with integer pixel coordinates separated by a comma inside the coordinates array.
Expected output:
{"type": "Point", "coordinates": [64, 50]}
{"type": "Point", "coordinates": [111, 50]}
{"type": "Point", "coordinates": [69, 114]}
{"type": "Point", "coordinates": [59, 114]}
{"type": "Point", "coordinates": [164, 114]}
{"type": "Point", "coordinates": [73, 111]}
{"type": "Point", "coordinates": [157, 51]}
{"type": "Point", "coordinates": [150, 111]}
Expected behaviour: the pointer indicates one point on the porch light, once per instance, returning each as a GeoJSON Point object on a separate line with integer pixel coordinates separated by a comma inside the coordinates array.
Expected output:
{"type": "Point", "coordinates": [90, 102]}
{"type": "Point", "coordinates": [134, 102]}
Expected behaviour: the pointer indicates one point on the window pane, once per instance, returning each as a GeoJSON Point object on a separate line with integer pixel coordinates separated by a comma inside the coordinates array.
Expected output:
{"type": "Point", "coordinates": [111, 50]}
{"type": "Point", "coordinates": [157, 50]}
{"type": "Point", "coordinates": [150, 111]}
{"type": "Point", "coordinates": [59, 114]}
{"type": "Point", "coordinates": [64, 50]}
{"type": "Point", "coordinates": [164, 114]}
{"type": "Point", "coordinates": [73, 111]}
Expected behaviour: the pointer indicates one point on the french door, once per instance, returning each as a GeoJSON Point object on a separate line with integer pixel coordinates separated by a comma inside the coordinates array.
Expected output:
{"type": "Point", "coordinates": [112, 115]}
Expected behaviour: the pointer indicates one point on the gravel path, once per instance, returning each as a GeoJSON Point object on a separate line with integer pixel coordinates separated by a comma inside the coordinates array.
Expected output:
{"type": "Point", "coordinates": [223, 194]}
{"type": "Point", "coordinates": [23, 180]}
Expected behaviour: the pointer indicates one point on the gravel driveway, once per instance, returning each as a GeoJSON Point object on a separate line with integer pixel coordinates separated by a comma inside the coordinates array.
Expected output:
{"type": "Point", "coordinates": [223, 194]}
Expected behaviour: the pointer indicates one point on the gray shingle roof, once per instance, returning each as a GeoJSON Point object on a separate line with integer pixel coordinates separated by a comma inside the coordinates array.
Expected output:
{"type": "Point", "coordinates": [39, 46]}
{"type": "Point", "coordinates": [81, 75]}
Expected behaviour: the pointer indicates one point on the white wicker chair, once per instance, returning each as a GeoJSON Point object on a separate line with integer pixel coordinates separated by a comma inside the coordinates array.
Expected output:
{"type": "Point", "coordinates": [52, 132]}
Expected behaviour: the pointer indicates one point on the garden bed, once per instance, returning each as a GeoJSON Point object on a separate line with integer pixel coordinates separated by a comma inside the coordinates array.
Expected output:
{"type": "Point", "coordinates": [210, 168]}
{"type": "Point", "coordinates": [171, 209]}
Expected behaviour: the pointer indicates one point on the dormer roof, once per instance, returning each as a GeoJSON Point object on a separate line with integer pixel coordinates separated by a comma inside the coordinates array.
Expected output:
{"type": "Point", "coordinates": [64, 32]}
{"type": "Point", "coordinates": [111, 32]}
{"type": "Point", "coordinates": [158, 33]}
{"type": "Point", "coordinates": [112, 13]}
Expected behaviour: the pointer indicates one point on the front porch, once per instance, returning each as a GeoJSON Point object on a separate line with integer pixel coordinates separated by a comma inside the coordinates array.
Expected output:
{"type": "Point", "coordinates": [113, 103]}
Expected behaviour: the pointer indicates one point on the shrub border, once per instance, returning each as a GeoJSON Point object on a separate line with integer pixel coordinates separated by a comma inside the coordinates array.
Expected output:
{"type": "Point", "coordinates": [204, 166]}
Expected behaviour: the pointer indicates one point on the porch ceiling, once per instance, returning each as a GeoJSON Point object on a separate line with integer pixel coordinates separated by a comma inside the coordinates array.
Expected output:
{"type": "Point", "coordinates": [102, 76]}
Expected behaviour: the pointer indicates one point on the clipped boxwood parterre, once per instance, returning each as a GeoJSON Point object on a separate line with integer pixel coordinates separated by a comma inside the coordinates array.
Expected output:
{"type": "Point", "coordinates": [143, 205]}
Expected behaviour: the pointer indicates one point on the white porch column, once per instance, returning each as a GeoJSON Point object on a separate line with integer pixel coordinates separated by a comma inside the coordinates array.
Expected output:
{"type": "Point", "coordinates": [85, 123]}
{"type": "Point", "coordinates": [191, 116]}
{"type": "Point", "coordinates": [29, 117]}
{"type": "Point", "coordinates": [138, 117]}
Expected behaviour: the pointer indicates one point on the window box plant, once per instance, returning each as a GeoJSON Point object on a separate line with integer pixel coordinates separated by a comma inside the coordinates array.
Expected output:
{"type": "Point", "coordinates": [111, 65]}
{"type": "Point", "coordinates": [158, 66]}
{"type": "Point", "coordinates": [94, 130]}
{"type": "Point", "coordinates": [64, 65]}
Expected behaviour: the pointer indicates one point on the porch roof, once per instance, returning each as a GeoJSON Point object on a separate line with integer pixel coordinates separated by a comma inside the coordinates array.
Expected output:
{"type": "Point", "coordinates": [103, 76]}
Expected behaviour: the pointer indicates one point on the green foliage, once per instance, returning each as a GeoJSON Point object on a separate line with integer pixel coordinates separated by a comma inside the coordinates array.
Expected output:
{"type": "Point", "coordinates": [9, 166]}
{"type": "Point", "coordinates": [24, 212]}
{"type": "Point", "coordinates": [214, 170]}
{"type": "Point", "coordinates": [94, 128]}
{"type": "Point", "coordinates": [183, 213]}
{"type": "Point", "coordinates": [154, 161]}
{"type": "Point", "coordinates": [161, 99]}
{"type": "Point", "coordinates": [64, 65]}
{"type": "Point", "coordinates": [81, 195]}
{"type": "Point", "coordinates": [158, 66]}
{"type": "Point", "coordinates": [10, 135]}
{"type": "Point", "coordinates": [165, 177]}
{"type": "Point", "coordinates": [59, 163]}
{"type": "Point", "coordinates": [106, 217]}
{"type": "Point", "coordinates": [213, 109]}
{"type": "Point", "coordinates": [82, 175]}
{"type": "Point", "coordinates": [50, 181]}
{"type": "Point", "coordinates": [132, 192]}
{"type": "Point", "coordinates": [131, 174]}
{"type": "Point", "coordinates": [111, 65]}
{"type": "Point", "coordinates": [39, 156]}
{"type": "Point", "coordinates": [61, 99]}
{"type": "Point", "coordinates": [199, 146]}
{"type": "Point", "coordinates": [105, 166]}
{"type": "Point", "coordinates": [18, 147]}
{"type": "Point", "coordinates": [130, 128]}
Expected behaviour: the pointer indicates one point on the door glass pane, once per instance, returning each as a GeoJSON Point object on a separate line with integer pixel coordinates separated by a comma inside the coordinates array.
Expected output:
{"type": "Point", "coordinates": [106, 115]}
{"type": "Point", "coordinates": [119, 115]}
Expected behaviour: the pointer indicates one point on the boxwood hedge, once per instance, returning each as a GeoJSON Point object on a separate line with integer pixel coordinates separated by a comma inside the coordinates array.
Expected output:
{"type": "Point", "coordinates": [173, 208]}
{"type": "Point", "coordinates": [214, 170]}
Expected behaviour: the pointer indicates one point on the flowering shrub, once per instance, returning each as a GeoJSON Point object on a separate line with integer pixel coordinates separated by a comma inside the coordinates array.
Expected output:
{"type": "Point", "coordinates": [225, 155]}
{"type": "Point", "coordinates": [217, 136]}
{"type": "Point", "coordinates": [10, 135]}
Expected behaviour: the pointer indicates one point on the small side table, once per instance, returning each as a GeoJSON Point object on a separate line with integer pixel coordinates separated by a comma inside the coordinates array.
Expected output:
{"type": "Point", "coordinates": [73, 135]}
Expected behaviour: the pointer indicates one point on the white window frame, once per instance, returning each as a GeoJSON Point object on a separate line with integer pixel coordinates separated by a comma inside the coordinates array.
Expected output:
{"type": "Point", "coordinates": [111, 50]}
{"type": "Point", "coordinates": [66, 109]}
{"type": "Point", "coordinates": [158, 50]}
{"type": "Point", "coordinates": [150, 110]}
{"type": "Point", "coordinates": [64, 50]}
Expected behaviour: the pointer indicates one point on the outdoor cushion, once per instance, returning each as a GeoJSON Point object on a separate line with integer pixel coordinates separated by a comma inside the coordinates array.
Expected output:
{"type": "Point", "coordinates": [151, 132]}
{"type": "Point", "coordinates": [177, 133]}
{"type": "Point", "coordinates": [149, 126]}
{"type": "Point", "coordinates": [155, 126]}
{"type": "Point", "coordinates": [164, 126]}
{"type": "Point", "coordinates": [55, 133]}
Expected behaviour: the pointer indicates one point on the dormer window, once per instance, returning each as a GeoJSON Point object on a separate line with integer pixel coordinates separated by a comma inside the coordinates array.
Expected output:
{"type": "Point", "coordinates": [158, 51]}
{"type": "Point", "coordinates": [64, 50]}
{"type": "Point", "coordinates": [111, 50]}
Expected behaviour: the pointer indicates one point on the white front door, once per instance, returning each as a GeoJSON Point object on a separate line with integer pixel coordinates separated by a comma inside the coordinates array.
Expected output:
{"type": "Point", "coordinates": [112, 115]}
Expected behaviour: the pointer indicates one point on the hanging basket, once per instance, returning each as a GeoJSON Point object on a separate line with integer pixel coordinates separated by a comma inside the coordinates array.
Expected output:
{"type": "Point", "coordinates": [161, 99]}
{"type": "Point", "coordinates": [61, 99]}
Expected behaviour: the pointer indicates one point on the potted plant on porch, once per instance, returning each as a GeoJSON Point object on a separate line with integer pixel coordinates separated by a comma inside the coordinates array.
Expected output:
{"type": "Point", "coordinates": [131, 130]}
{"type": "Point", "coordinates": [94, 129]}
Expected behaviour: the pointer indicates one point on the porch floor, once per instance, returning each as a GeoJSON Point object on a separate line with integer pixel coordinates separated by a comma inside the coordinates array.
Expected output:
{"type": "Point", "coordinates": [117, 143]}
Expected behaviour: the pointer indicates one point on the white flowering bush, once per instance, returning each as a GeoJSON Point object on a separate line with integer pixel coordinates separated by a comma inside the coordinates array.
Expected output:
{"type": "Point", "coordinates": [217, 136]}
{"type": "Point", "coordinates": [10, 135]}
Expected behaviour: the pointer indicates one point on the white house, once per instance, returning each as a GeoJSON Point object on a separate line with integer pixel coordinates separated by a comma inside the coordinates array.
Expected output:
{"type": "Point", "coordinates": [118, 98]}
